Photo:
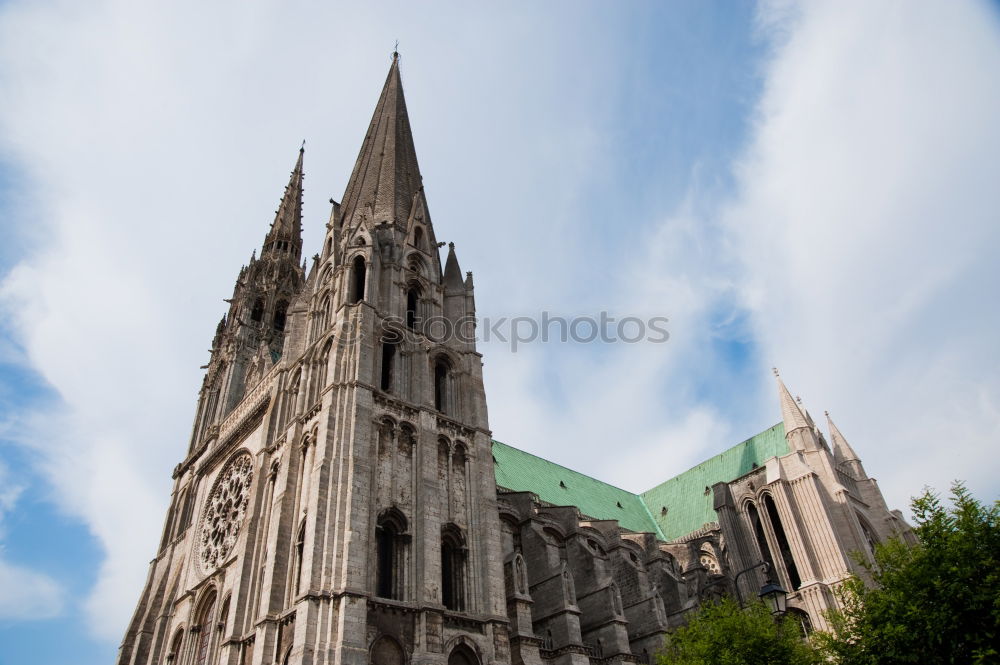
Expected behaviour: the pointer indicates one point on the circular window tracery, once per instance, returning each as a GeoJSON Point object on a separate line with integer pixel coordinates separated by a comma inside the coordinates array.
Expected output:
{"type": "Point", "coordinates": [224, 511]}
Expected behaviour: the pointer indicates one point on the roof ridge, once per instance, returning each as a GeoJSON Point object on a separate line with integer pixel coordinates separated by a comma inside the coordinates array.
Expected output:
{"type": "Point", "coordinates": [706, 461]}
{"type": "Point", "coordinates": [659, 531]}
{"type": "Point", "coordinates": [562, 466]}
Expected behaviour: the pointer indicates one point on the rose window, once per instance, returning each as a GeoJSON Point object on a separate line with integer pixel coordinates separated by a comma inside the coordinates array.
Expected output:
{"type": "Point", "coordinates": [225, 510]}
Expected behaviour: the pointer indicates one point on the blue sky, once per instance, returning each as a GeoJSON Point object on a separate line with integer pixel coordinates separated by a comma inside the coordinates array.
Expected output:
{"type": "Point", "coordinates": [809, 186]}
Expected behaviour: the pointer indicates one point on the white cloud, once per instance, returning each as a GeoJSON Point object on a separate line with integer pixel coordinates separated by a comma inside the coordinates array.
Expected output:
{"type": "Point", "coordinates": [157, 138]}
{"type": "Point", "coordinates": [866, 222]}
{"type": "Point", "coordinates": [25, 594]}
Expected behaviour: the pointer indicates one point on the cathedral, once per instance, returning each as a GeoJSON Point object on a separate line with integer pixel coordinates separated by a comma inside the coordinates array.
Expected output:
{"type": "Point", "coordinates": [342, 500]}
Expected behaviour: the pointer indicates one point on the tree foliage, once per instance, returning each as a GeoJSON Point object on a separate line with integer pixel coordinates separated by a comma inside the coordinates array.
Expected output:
{"type": "Point", "coordinates": [933, 603]}
{"type": "Point", "coordinates": [720, 633]}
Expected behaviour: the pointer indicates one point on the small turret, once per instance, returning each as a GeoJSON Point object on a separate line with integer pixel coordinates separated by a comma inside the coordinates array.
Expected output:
{"type": "Point", "coordinates": [844, 456]}
{"type": "Point", "coordinates": [453, 282]}
{"type": "Point", "coordinates": [799, 431]}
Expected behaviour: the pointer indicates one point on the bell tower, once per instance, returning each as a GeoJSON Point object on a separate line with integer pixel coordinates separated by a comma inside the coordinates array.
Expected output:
{"type": "Point", "coordinates": [337, 504]}
{"type": "Point", "coordinates": [400, 515]}
{"type": "Point", "coordinates": [250, 337]}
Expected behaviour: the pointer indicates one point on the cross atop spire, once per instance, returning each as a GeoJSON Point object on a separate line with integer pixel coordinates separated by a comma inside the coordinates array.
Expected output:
{"type": "Point", "coordinates": [385, 178]}
{"type": "Point", "coordinates": [285, 236]}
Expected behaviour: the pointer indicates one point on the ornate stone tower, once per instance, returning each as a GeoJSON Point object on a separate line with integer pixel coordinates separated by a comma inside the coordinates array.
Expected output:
{"type": "Point", "coordinates": [338, 502]}
{"type": "Point", "coordinates": [803, 514]}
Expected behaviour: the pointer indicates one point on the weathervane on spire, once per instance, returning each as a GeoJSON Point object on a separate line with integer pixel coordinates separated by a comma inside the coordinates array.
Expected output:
{"type": "Point", "coordinates": [395, 50]}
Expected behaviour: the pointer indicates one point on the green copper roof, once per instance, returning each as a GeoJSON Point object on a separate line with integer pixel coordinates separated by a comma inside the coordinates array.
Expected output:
{"type": "Point", "coordinates": [688, 505]}
{"type": "Point", "coordinates": [559, 486]}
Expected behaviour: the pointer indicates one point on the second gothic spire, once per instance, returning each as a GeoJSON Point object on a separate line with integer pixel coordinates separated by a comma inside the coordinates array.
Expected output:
{"type": "Point", "coordinates": [285, 236]}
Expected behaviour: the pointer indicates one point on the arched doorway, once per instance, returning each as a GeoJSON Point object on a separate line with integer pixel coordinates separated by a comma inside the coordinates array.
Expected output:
{"type": "Point", "coordinates": [462, 655]}
{"type": "Point", "coordinates": [386, 651]}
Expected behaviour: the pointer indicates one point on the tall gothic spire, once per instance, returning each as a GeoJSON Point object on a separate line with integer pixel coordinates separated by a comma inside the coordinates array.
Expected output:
{"type": "Point", "coordinates": [285, 236]}
{"type": "Point", "coordinates": [791, 412]}
{"type": "Point", "coordinates": [385, 177]}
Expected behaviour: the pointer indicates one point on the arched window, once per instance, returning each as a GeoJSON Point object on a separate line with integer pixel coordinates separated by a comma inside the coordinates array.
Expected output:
{"type": "Point", "coordinates": [300, 546]}
{"type": "Point", "coordinates": [291, 398]}
{"type": "Point", "coordinates": [418, 238]}
{"type": "Point", "coordinates": [319, 372]}
{"type": "Point", "coordinates": [870, 540]}
{"type": "Point", "coordinates": [442, 380]}
{"type": "Point", "coordinates": [171, 527]}
{"type": "Point", "coordinates": [175, 646]}
{"type": "Point", "coordinates": [412, 303]}
{"type": "Point", "coordinates": [758, 530]}
{"type": "Point", "coordinates": [390, 555]}
{"type": "Point", "coordinates": [203, 641]}
{"type": "Point", "coordinates": [388, 366]}
{"type": "Point", "coordinates": [443, 456]}
{"type": "Point", "coordinates": [407, 438]}
{"type": "Point", "coordinates": [224, 614]}
{"type": "Point", "coordinates": [322, 316]}
{"type": "Point", "coordinates": [183, 512]}
{"type": "Point", "coordinates": [801, 618]}
{"type": "Point", "coordinates": [358, 270]}
{"type": "Point", "coordinates": [280, 311]}
{"type": "Point", "coordinates": [257, 311]}
{"type": "Point", "coordinates": [386, 651]}
{"type": "Point", "coordinates": [783, 546]}
{"type": "Point", "coordinates": [453, 557]}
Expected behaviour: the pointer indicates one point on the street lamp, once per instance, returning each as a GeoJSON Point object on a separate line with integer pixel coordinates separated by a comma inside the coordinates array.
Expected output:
{"type": "Point", "coordinates": [771, 593]}
{"type": "Point", "coordinates": [775, 597]}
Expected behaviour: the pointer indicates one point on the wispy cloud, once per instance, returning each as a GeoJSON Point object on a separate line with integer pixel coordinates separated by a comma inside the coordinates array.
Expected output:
{"type": "Point", "coordinates": [153, 141]}
{"type": "Point", "coordinates": [866, 221]}
{"type": "Point", "coordinates": [25, 594]}
{"type": "Point", "coordinates": [156, 140]}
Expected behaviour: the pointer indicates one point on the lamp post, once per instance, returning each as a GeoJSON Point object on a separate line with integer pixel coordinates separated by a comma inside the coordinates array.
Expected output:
{"type": "Point", "coordinates": [771, 593]}
{"type": "Point", "coordinates": [775, 597]}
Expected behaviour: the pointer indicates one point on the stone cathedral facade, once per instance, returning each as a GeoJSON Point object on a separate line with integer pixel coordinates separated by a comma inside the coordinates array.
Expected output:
{"type": "Point", "coordinates": [342, 500]}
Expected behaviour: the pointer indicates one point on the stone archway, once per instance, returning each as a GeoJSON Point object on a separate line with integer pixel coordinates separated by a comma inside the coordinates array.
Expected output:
{"type": "Point", "coordinates": [386, 651]}
{"type": "Point", "coordinates": [462, 655]}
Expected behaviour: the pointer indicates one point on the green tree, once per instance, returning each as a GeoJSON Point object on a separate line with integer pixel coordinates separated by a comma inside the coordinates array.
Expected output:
{"type": "Point", "coordinates": [932, 603]}
{"type": "Point", "coordinates": [720, 633]}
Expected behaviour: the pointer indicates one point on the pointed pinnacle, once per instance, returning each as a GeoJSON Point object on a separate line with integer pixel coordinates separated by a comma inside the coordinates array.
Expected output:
{"type": "Point", "coordinates": [791, 413]}
{"type": "Point", "coordinates": [285, 234]}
